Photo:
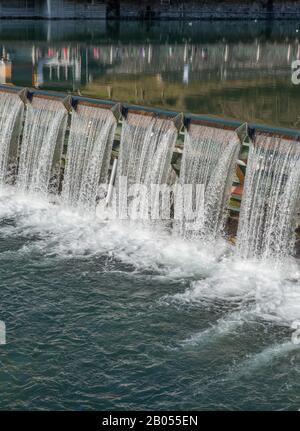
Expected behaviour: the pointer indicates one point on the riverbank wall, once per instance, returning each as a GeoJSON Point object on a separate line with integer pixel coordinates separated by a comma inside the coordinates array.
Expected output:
{"type": "Point", "coordinates": [151, 10]}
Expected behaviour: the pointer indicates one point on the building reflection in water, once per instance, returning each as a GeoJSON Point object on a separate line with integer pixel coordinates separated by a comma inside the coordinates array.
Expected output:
{"type": "Point", "coordinates": [235, 70]}
{"type": "Point", "coordinates": [56, 66]}
{"type": "Point", "coordinates": [5, 67]}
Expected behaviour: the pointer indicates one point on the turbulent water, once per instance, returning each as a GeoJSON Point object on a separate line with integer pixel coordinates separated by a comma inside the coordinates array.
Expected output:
{"type": "Point", "coordinates": [209, 157]}
{"type": "Point", "coordinates": [44, 128]}
{"type": "Point", "coordinates": [103, 316]}
{"type": "Point", "coordinates": [11, 110]}
{"type": "Point", "coordinates": [115, 315]}
{"type": "Point", "coordinates": [270, 206]}
{"type": "Point", "coordinates": [88, 155]}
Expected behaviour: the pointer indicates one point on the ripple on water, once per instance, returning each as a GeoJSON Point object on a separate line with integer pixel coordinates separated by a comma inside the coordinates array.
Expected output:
{"type": "Point", "coordinates": [100, 315]}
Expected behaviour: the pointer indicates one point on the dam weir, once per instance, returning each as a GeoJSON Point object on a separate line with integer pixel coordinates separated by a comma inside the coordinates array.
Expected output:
{"type": "Point", "coordinates": [197, 176]}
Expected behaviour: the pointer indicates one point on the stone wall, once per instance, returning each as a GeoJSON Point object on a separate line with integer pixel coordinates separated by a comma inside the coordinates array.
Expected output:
{"type": "Point", "coordinates": [53, 9]}
{"type": "Point", "coordinates": [213, 9]}
{"type": "Point", "coordinates": [150, 9]}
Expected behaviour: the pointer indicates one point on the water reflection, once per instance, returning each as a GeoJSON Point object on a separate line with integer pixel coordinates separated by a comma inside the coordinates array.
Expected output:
{"type": "Point", "coordinates": [238, 70]}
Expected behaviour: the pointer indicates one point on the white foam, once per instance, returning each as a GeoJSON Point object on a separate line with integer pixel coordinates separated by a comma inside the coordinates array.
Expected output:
{"type": "Point", "coordinates": [273, 288]}
{"type": "Point", "coordinates": [224, 326]}
{"type": "Point", "coordinates": [265, 357]}
{"type": "Point", "coordinates": [66, 232]}
{"type": "Point", "coordinates": [212, 271]}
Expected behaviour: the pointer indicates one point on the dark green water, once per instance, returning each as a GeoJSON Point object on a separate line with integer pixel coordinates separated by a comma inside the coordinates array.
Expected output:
{"type": "Point", "coordinates": [108, 316]}
{"type": "Point", "coordinates": [239, 70]}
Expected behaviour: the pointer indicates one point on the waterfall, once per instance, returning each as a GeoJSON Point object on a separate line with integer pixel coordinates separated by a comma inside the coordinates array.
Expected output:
{"type": "Point", "coordinates": [147, 145]}
{"type": "Point", "coordinates": [11, 110]}
{"type": "Point", "coordinates": [88, 156]}
{"type": "Point", "coordinates": [208, 161]}
{"type": "Point", "coordinates": [44, 129]}
{"type": "Point", "coordinates": [147, 186]}
{"type": "Point", "coordinates": [270, 205]}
